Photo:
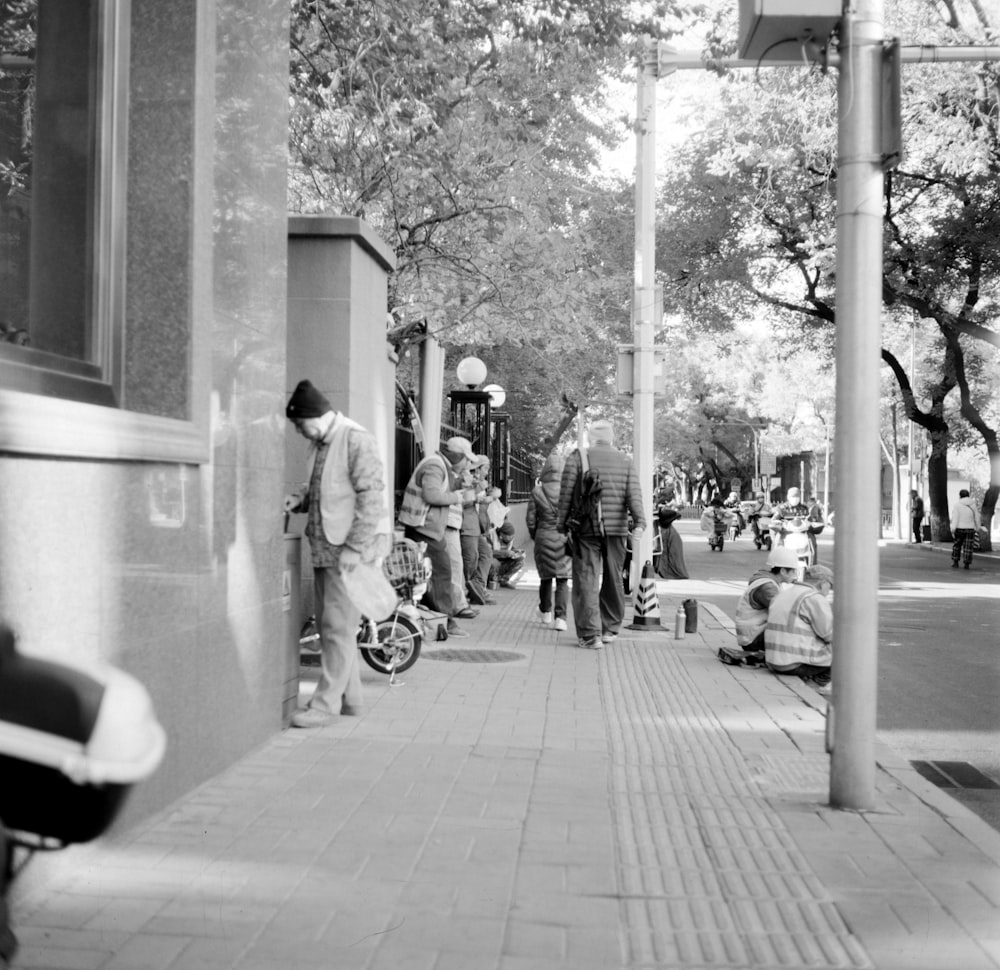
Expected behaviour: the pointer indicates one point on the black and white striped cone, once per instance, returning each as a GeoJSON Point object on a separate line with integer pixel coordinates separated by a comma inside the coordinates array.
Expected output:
{"type": "Point", "coordinates": [647, 604]}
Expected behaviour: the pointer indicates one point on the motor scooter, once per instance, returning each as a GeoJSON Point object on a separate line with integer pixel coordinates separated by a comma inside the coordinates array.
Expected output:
{"type": "Point", "coordinates": [794, 534]}
{"type": "Point", "coordinates": [390, 645]}
{"type": "Point", "coordinates": [760, 524]}
{"type": "Point", "coordinates": [716, 521]}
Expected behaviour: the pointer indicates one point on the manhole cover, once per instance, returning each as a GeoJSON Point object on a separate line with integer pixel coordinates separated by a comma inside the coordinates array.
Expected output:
{"type": "Point", "coordinates": [474, 656]}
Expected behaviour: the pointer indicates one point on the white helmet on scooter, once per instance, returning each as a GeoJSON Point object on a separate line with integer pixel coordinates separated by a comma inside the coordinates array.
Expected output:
{"type": "Point", "coordinates": [782, 558]}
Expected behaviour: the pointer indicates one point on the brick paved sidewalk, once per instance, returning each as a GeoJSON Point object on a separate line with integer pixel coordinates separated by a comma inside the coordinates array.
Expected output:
{"type": "Point", "coordinates": [521, 804]}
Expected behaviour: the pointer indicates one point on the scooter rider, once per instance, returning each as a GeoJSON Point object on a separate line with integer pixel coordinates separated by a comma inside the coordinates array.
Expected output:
{"type": "Point", "coordinates": [761, 509]}
{"type": "Point", "coordinates": [791, 509]}
{"type": "Point", "coordinates": [781, 567]}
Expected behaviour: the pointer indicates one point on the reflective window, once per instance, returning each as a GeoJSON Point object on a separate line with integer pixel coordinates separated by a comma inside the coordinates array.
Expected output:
{"type": "Point", "coordinates": [60, 167]}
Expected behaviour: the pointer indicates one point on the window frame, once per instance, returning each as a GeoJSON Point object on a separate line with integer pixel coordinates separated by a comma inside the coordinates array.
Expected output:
{"type": "Point", "coordinates": [61, 407]}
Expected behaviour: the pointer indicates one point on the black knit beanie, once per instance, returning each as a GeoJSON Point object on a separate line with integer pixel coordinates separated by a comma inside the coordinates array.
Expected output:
{"type": "Point", "coordinates": [306, 402]}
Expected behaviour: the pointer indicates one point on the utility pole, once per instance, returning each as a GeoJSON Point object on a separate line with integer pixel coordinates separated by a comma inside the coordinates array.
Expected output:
{"type": "Point", "coordinates": [645, 294]}
{"type": "Point", "coordinates": [858, 357]}
{"type": "Point", "coordinates": [858, 309]}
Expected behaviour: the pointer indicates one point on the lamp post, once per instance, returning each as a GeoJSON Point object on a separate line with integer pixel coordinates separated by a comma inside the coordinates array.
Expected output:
{"type": "Point", "coordinates": [499, 452]}
{"type": "Point", "coordinates": [472, 414]}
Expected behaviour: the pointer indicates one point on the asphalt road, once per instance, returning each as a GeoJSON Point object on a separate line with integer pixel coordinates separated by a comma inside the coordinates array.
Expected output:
{"type": "Point", "coordinates": [939, 654]}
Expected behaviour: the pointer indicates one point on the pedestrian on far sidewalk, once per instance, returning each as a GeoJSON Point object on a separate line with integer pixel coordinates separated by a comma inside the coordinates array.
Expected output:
{"type": "Point", "coordinates": [916, 514]}
{"type": "Point", "coordinates": [964, 526]}
{"type": "Point", "coordinates": [551, 561]}
{"type": "Point", "coordinates": [348, 524]}
{"type": "Point", "coordinates": [599, 537]}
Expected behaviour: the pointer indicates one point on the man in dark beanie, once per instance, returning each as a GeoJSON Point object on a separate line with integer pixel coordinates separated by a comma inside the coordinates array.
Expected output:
{"type": "Point", "coordinates": [344, 498]}
{"type": "Point", "coordinates": [306, 402]}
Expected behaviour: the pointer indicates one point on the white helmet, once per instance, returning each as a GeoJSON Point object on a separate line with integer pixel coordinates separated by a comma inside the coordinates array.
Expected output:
{"type": "Point", "coordinates": [782, 558]}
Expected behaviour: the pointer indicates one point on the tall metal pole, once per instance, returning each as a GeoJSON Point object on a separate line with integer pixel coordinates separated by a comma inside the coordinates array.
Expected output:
{"type": "Point", "coordinates": [645, 295]}
{"type": "Point", "coordinates": [859, 300]}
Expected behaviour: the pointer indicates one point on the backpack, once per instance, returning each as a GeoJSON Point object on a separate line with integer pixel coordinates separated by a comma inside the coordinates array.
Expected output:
{"type": "Point", "coordinates": [585, 516]}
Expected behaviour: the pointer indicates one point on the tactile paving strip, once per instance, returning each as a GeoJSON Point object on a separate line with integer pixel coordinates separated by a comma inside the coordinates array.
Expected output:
{"type": "Point", "coordinates": [708, 875]}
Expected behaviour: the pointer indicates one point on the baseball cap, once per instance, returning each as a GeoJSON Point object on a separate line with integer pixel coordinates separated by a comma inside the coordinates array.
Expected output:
{"type": "Point", "coordinates": [460, 446]}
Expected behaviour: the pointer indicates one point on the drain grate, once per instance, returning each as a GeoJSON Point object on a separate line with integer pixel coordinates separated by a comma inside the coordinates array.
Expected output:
{"type": "Point", "coordinates": [474, 656]}
{"type": "Point", "coordinates": [954, 774]}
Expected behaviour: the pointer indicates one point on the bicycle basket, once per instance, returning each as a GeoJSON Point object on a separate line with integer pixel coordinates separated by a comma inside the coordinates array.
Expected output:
{"type": "Point", "coordinates": [404, 565]}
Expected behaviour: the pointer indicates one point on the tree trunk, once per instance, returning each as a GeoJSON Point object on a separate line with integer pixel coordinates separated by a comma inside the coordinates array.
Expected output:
{"type": "Point", "coordinates": [550, 441]}
{"type": "Point", "coordinates": [989, 505]}
{"type": "Point", "coordinates": [937, 487]}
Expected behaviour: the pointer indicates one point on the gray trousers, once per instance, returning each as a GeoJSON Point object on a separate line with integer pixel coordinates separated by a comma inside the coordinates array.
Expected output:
{"type": "Point", "coordinates": [598, 595]}
{"type": "Point", "coordinates": [337, 620]}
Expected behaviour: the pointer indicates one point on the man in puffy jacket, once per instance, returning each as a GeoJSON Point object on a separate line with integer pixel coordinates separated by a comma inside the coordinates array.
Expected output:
{"type": "Point", "coordinates": [798, 638]}
{"type": "Point", "coordinates": [598, 548]}
{"type": "Point", "coordinates": [763, 586]}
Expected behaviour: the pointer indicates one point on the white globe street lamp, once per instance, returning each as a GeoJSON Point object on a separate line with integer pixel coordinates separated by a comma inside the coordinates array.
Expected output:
{"type": "Point", "coordinates": [497, 395]}
{"type": "Point", "coordinates": [471, 371]}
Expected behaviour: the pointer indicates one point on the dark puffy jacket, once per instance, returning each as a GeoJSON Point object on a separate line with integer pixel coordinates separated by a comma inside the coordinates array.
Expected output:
{"type": "Point", "coordinates": [620, 494]}
{"type": "Point", "coordinates": [551, 560]}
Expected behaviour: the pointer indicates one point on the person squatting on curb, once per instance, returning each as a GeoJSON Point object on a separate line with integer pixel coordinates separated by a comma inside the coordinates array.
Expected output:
{"type": "Point", "coordinates": [780, 568]}
{"type": "Point", "coordinates": [798, 638]}
{"type": "Point", "coordinates": [551, 561]}
{"type": "Point", "coordinates": [598, 548]}
{"type": "Point", "coordinates": [348, 523]}
{"type": "Point", "coordinates": [964, 526]}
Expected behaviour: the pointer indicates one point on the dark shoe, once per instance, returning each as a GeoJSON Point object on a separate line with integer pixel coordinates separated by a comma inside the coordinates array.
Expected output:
{"type": "Point", "coordinates": [729, 659]}
{"type": "Point", "coordinates": [467, 614]}
{"type": "Point", "coordinates": [954, 565]}
{"type": "Point", "coordinates": [966, 565]}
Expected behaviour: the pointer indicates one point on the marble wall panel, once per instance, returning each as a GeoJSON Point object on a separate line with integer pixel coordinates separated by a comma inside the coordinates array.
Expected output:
{"type": "Point", "coordinates": [174, 572]}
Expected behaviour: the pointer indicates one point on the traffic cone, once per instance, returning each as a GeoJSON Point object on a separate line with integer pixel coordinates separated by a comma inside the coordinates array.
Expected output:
{"type": "Point", "coordinates": [647, 604]}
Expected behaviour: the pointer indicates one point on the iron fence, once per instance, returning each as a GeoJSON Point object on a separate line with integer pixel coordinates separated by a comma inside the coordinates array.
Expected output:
{"type": "Point", "coordinates": [510, 468]}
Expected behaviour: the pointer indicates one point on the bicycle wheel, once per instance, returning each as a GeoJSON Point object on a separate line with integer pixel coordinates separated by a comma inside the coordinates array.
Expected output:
{"type": "Point", "coordinates": [399, 642]}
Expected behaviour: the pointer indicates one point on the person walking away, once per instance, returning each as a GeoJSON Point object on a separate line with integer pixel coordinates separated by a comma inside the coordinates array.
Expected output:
{"type": "Point", "coordinates": [551, 561]}
{"type": "Point", "coordinates": [671, 564]}
{"type": "Point", "coordinates": [781, 567]}
{"type": "Point", "coordinates": [916, 514]}
{"type": "Point", "coordinates": [424, 517]}
{"type": "Point", "coordinates": [798, 638]}
{"type": "Point", "coordinates": [598, 544]}
{"type": "Point", "coordinates": [964, 526]}
{"type": "Point", "coordinates": [348, 523]}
